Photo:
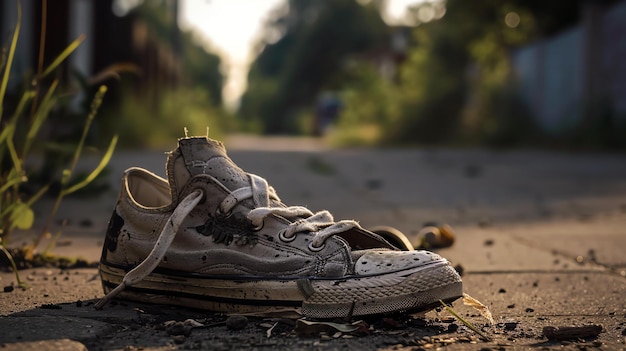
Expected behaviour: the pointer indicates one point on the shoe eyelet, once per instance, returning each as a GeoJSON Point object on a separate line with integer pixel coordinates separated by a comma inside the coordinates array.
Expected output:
{"type": "Point", "coordinates": [222, 215]}
{"type": "Point", "coordinates": [257, 229]}
{"type": "Point", "coordinates": [284, 238]}
{"type": "Point", "coordinates": [316, 248]}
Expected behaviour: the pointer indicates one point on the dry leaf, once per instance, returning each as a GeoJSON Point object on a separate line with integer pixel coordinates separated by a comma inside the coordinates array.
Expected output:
{"type": "Point", "coordinates": [304, 327]}
{"type": "Point", "coordinates": [482, 309]}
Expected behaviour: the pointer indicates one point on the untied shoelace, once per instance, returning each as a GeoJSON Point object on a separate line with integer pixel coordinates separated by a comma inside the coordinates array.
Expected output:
{"type": "Point", "coordinates": [304, 220]}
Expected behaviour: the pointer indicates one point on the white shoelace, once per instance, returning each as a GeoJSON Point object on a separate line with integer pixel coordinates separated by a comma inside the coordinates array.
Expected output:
{"type": "Point", "coordinates": [321, 224]}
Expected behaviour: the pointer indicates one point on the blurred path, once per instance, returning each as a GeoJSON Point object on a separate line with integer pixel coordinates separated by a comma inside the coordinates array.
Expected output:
{"type": "Point", "coordinates": [405, 188]}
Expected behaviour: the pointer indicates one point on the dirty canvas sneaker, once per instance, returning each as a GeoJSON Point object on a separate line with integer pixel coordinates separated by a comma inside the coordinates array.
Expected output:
{"type": "Point", "coordinates": [214, 237]}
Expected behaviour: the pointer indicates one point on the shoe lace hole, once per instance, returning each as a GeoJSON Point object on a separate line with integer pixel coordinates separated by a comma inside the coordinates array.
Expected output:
{"type": "Point", "coordinates": [314, 248]}
{"type": "Point", "coordinates": [282, 236]}
{"type": "Point", "coordinates": [222, 215]}
{"type": "Point", "coordinates": [257, 229]}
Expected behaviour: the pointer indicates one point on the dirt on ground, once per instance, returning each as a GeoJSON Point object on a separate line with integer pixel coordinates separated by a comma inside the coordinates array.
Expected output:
{"type": "Point", "coordinates": [539, 238]}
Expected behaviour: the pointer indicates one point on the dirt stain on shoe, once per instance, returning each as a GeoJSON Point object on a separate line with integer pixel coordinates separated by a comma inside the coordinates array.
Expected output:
{"type": "Point", "coordinates": [113, 231]}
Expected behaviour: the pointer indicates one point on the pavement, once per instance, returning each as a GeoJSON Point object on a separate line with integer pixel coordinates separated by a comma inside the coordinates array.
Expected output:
{"type": "Point", "coordinates": [540, 237]}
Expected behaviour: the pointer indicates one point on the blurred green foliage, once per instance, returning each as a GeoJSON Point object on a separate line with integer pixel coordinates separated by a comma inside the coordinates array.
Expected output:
{"type": "Point", "coordinates": [153, 106]}
{"type": "Point", "coordinates": [318, 37]}
{"type": "Point", "coordinates": [142, 123]}
{"type": "Point", "coordinates": [453, 83]}
{"type": "Point", "coordinates": [28, 126]}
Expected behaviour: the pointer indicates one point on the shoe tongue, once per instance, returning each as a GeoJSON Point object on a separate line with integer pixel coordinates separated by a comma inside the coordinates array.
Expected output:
{"type": "Point", "coordinates": [201, 155]}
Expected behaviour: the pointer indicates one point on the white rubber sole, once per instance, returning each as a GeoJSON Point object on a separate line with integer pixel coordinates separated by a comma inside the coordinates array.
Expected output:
{"type": "Point", "coordinates": [416, 289]}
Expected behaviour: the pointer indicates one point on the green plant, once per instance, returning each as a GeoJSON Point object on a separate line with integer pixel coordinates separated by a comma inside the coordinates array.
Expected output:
{"type": "Point", "coordinates": [17, 138]}
{"type": "Point", "coordinates": [191, 108]}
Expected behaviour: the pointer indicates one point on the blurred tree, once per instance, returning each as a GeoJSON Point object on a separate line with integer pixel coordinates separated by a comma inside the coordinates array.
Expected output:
{"type": "Point", "coordinates": [458, 84]}
{"type": "Point", "coordinates": [454, 84]}
{"type": "Point", "coordinates": [201, 68]}
{"type": "Point", "coordinates": [178, 85]}
{"type": "Point", "coordinates": [317, 39]}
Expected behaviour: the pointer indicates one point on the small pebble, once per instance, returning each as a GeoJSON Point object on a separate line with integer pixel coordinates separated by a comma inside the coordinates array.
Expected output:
{"type": "Point", "coordinates": [50, 306]}
{"type": "Point", "coordinates": [178, 339]}
{"type": "Point", "coordinates": [510, 325]}
{"type": "Point", "coordinates": [236, 322]}
{"type": "Point", "coordinates": [178, 328]}
{"type": "Point", "coordinates": [9, 288]}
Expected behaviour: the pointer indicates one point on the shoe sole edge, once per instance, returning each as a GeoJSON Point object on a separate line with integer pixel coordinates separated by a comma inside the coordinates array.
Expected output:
{"type": "Point", "coordinates": [411, 290]}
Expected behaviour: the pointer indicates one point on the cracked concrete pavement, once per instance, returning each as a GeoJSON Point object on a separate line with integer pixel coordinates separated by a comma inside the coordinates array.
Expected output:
{"type": "Point", "coordinates": [540, 236]}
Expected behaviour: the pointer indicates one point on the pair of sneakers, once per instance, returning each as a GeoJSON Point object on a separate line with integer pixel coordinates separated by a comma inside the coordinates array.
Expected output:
{"type": "Point", "coordinates": [214, 237]}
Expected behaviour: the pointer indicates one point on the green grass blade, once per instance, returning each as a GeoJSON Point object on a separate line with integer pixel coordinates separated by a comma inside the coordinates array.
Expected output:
{"type": "Point", "coordinates": [13, 266]}
{"type": "Point", "coordinates": [40, 116]}
{"type": "Point", "coordinates": [7, 68]}
{"type": "Point", "coordinates": [95, 105]}
{"type": "Point", "coordinates": [11, 182]}
{"type": "Point", "coordinates": [7, 132]}
{"type": "Point", "coordinates": [39, 194]}
{"type": "Point", "coordinates": [63, 55]}
{"type": "Point", "coordinates": [103, 163]}
{"type": "Point", "coordinates": [17, 162]}
{"type": "Point", "coordinates": [22, 104]}
{"type": "Point", "coordinates": [8, 209]}
{"type": "Point", "coordinates": [466, 323]}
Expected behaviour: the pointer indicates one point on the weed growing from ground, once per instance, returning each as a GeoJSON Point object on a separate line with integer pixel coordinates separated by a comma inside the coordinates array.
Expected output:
{"type": "Point", "coordinates": [18, 134]}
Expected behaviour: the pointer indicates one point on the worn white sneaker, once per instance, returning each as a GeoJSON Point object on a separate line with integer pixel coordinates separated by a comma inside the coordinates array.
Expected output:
{"type": "Point", "coordinates": [214, 237]}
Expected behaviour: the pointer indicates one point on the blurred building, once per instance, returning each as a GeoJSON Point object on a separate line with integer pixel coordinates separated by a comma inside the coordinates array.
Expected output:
{"type": "Point", "coordinates": [578, 76]}
{"type": "Point", "coordinates": [109, 39]}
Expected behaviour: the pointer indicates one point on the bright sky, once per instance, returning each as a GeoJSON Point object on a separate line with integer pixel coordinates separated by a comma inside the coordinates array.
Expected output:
{"type": "Point", "coordinates": [232, 27]}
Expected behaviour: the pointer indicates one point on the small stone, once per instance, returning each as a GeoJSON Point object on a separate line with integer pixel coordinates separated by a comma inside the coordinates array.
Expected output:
{"type": "Point", "coordinates": [511, 306]}
{"type": "Point", "coordinates": [86, 223]}
{"type": "Point", "coordinates": [530, 310]}
{"type": "Point", "coordinates": [178, 328]}
{"type": "Point", "coordinates": [502, 291]}
{"type": "Point", "coordinates": [236, 322]}
{"type": "Point", "coordinates": [50, 306]}
{"type": "Point", "coordinates": [9, 288]}
{"type": "Point", "coordinates": [453, 327]}
{"type": "Point", "coordinates": [510, 325]}
{"type": "Point", "coordinates": [572, 332]}
{"type": "Point", "coordinates": [178, 339]}
{"type": "Point", "coordinates": [473, 171]}
{"type": "Point", "coordinates": [374, 184]}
